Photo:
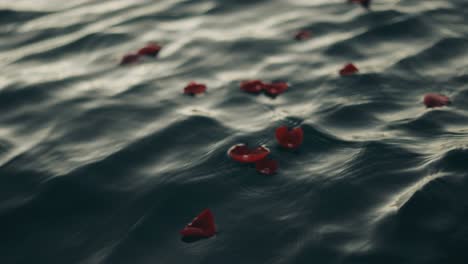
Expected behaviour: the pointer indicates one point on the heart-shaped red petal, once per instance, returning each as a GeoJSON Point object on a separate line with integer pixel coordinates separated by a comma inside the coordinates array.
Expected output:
{"type": "Point", "coordinates": [289, 138]}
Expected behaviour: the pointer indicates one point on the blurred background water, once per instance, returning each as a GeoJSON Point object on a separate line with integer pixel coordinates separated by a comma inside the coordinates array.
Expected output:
{"type": "Point", "coordinates": [105, 164]}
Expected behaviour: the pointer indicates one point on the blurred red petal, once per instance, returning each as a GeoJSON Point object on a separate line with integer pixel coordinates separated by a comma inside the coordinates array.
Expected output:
{"type": "Point", "coordinates": [266, 166]}
{"type": "Point", "coordinates": [436, 100]}
{"type": "Point", "coordinates": [276, 88]}
{"type": "Point", "coordinates": [302, 35]}
{"type": "Point", "coordinates": [130, 59]}
{"type": "Point", "coordinates": [349, 69]}
{"type": "Point", "coordinates": [194, 88]}
{"type": "Point", "coordinates": [242, 153]}
{"type": "Point", "coordinates": [151, 49]}
{"type": "Point", "coordinates": [252, 86]}
{"type": "Point", "coordinates": [289, 138]}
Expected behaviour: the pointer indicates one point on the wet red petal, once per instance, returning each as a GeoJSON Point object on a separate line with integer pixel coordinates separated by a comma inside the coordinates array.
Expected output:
{"type": "Point", "coordinates": [201, 226]}
{"type": "Point", "coordinates": [252, 86]}
{"type": "Point", "coordinates": [436, 100]}
{"type": "Point", "coordinates": [289, 138]}
{"type": "Point", "coordinates": [302, 35]}
{"type": "Point", "coordinates": [194, 88]}
{"type": "Point", "coordinates": [274, 89]}
{"type": "Point", "coordinates": [266, 166]}
{"type": "Point", "coordinates": [349, 69]}
{"type": "Point", "coordinates": [130, 58]}
{"type": "Point", "coordinates": [151, 49]}
{"type": "Point", "coordinates": [242, 153]}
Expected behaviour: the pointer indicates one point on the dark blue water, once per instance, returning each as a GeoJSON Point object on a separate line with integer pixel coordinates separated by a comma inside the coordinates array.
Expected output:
{"type": "Point", "coordinates": [105, 164]}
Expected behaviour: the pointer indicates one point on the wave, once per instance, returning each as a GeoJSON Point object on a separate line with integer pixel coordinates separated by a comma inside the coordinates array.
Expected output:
{"type": "Point", "coordinates": [101, 163]}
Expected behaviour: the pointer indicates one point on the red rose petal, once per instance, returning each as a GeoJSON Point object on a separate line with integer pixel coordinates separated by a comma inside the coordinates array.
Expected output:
{"type": "Point", "coordinates": [201, 226]}
{"type": "Point", "coordinates": [266, 166]}
{"type": "Point", "coordinates": [130, 59]}
{"type": "Point", "coordinates": [194, 88]}
{"type": "Point", "coordinates": [274, 89]}
{"type": "Point", "coordinates": [242, 153]}
{"type": "Point", "coordinates": [349, 69]}
{"type": "Point", "coordinates": [151, 49]}
{"type": "Point", "coordinates": [289, 138]}
{"type": "Point", "coordinates": [436, 100]}
{"type": "Point", "coordinates": [302, 35]}
{"type": "Point", "coordinates": [252, 86]}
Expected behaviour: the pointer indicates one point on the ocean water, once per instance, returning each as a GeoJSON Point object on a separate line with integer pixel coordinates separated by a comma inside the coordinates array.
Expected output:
{"type": "Point", "coordinates": [101, 163]}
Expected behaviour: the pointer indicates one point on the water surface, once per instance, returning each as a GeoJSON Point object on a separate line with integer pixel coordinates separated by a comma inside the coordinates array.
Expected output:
{"type": "Point", "coordinates": [105, 164]}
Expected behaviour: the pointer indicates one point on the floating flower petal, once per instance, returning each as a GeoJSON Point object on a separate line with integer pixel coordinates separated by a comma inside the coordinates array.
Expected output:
{"type": "Point", "coordinates": [253, 86]}
{"type": "Point", "coordinates": [276, 88]}
{"type": "Point", "coordinates": [289, 138]}
{"type": "Point", "coordinates": [194, 88]}
{"type": "Point", "coordinates": [202, 226]}
{"type": "Point", "coordinates": [266, 166]}
{"type": "Point", "coordinates": [349, 69]}
{"type": "Point", "coordinates": [151, 49]}
{"type": "Point", "coordinates": [436, 100]}
{"type": "Point", "coordinates": [242, 153]}
{"type": "Point", "coordinates": [130, 59]}
{"type": "Point", "coordinates": [302, 35]}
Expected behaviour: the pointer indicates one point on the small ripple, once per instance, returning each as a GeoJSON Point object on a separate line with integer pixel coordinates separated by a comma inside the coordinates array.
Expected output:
{"type": "Point", "coordinates": [440, 58]}
{"type": "Point", "coordinates": [431, 122]}
{"type": "Point", "coordinates": [91, 42]}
